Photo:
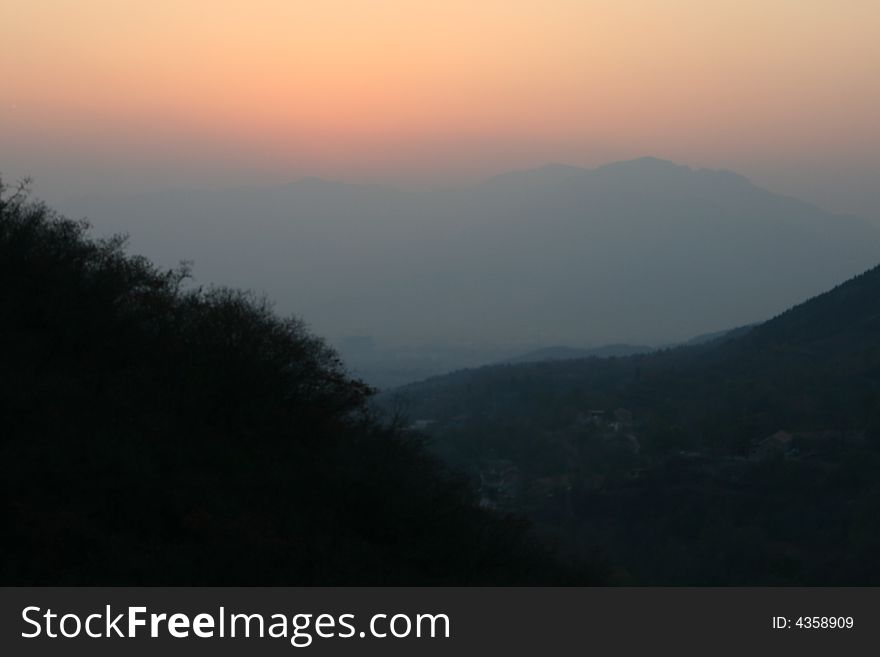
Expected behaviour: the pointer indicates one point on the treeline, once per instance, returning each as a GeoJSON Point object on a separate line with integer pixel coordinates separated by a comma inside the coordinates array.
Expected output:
{"type": "Point", "coordinates": [751, 459]}
{"type": "Point", "coordinates": [815, 367]}
{"type": "Point", "coordinates": [155, 432]}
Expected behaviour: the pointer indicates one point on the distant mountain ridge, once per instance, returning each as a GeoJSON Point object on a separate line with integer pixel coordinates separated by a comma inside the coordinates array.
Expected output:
{"type": "Point", "coordinates": [814, 367]}
{"type": "Point", "coordinates": [643, 252]}
{"type": "Point", "coordinates": [569, 353]}
{"type": "Point", "coordinates": [719, 335]}
{"type": "Point", "coordinates": [683, 465]}
{"type": "Point", "coordinates": [618, 350]}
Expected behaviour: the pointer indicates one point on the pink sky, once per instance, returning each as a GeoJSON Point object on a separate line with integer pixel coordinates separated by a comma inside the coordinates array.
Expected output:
{"type": "Point", "coordinates": [100, 93]}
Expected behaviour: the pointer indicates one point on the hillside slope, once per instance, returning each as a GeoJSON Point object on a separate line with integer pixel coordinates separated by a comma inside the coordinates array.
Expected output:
{"type": "Point", "coordinates": [151, 433]}
{"type": "Point", "coordinates": [750, 460]}
{"type": "Point", "coordinates": [571, 353]}
{"type": "Point", "coordinates": [815, 366]}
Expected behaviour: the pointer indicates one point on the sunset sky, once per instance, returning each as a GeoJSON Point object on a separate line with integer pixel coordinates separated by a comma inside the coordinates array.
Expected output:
{"type": "Point", "coordinates": [143, 95]}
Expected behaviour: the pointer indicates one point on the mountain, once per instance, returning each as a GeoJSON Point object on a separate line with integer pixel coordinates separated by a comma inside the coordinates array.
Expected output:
{"type": "Point", "coordinates": [643, 252]}
{"type": "Point", "coordinates": [614, 350]}
{"type": "Point", "coordinates": [156, 433]}
{"type": "Point", "coordinates": [814, 366]}
{"type": "Point", "coordinates": [684, 465]}
{"type": "Point", "coordinates": [719, 335]}
{"type": "Point", "coordinates": [569, 353]}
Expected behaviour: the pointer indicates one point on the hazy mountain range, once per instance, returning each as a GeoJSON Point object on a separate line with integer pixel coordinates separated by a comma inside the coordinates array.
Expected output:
{"type": "Point", "coordinates": [682, 465]}
{"type": "Point", "coordinates": [570, 353]}
{"type": "Point", "coordinates": [814, 366]}
{"type": "Point", "coordinates": [638, 252]}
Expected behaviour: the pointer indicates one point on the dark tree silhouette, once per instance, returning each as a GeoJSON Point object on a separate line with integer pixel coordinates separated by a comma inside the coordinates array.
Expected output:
{"type": "Point", "coordinates": [154, 432]}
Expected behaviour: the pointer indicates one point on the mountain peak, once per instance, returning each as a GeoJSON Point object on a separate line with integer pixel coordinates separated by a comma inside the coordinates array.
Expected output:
{"type": "Point", "coordinates": [647, 161]}
{"type": "Point", "coordinates": [554, 172]}
{"type": "Point", "coordinates": [648, 164]}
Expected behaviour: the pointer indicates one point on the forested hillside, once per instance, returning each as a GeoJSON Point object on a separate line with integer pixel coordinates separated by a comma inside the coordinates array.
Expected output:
{"type": "Point", "coordinates": [816, 366]}
{"type": "Point", "coordinates": [747, 459]}
{"type": "Point", "coordinates": [156, 433]}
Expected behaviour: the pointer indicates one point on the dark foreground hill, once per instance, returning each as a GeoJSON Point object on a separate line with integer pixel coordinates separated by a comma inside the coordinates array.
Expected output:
{"type": "Point", "coordinates": [154, 434]}
{"type": "Point", "coordinates": [746, 460]}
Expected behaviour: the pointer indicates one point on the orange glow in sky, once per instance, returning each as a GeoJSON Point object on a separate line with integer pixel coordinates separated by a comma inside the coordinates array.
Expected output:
{"type": "Point", "coordinates": [457, 88]}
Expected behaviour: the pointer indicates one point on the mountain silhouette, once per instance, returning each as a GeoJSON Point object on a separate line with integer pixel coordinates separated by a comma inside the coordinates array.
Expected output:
{"type": "Point", "coordinates": [643, 251]}
{"type": "Point", "coordinates": [815, 366]}
{"type": "Point", "coordinates": [683, 465]}
{"type": "Point", "coordinates": [568, 353]}
{"type": "Point", "coordinates": [154, 432]}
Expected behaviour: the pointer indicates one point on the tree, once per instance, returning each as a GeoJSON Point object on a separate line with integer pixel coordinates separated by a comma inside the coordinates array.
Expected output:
{"type": "Point", "coordinates": [156, 432]}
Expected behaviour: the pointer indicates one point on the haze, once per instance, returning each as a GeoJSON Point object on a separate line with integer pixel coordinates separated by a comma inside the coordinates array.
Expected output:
{"type": "Point", "coordinates": [109, 105]}
{"type": "Point", "coordinates": [141, 96]}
